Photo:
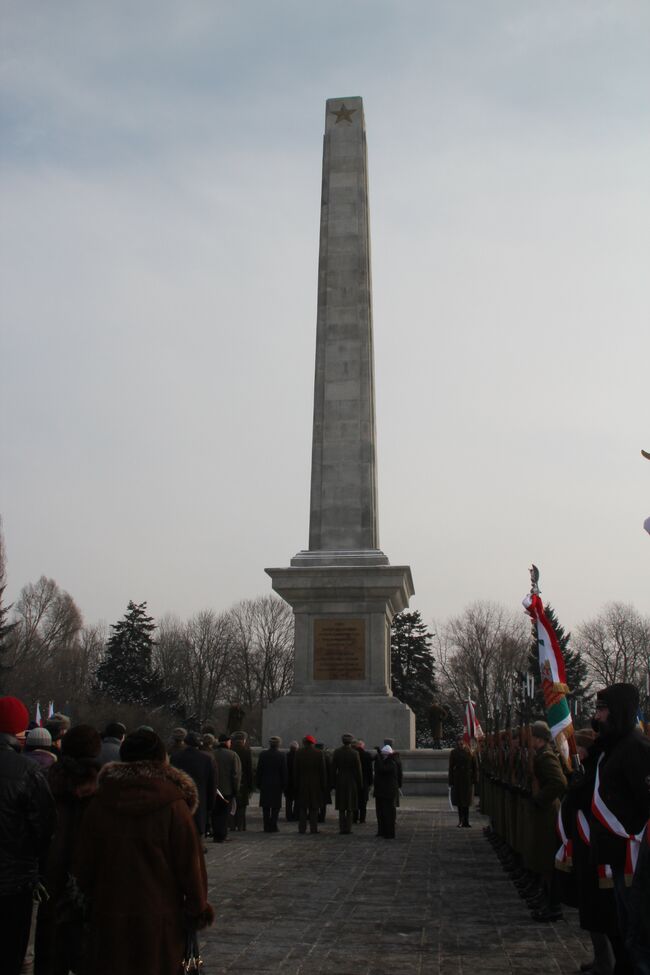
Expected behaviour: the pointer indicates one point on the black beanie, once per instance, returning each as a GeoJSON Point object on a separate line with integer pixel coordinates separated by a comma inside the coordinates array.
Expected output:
{"type": "Point", "coordinates": [142, 746]}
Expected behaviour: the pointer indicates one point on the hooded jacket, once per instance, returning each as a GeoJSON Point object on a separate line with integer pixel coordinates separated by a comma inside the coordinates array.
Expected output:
{"type": "Point", "coordinates": [140, 862]}
{"type": "Point", "coordinates": [624, 773]}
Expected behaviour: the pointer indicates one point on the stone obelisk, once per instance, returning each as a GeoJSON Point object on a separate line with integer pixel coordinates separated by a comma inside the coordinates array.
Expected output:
{"type": "Point", "coordinates": [343, 590]}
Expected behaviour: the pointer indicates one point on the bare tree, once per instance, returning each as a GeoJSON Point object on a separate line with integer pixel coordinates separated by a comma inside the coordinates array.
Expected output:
{"type": "Point", "coordinates": [616, 645]}
{"type": "Point", "coordinates": [263, 640]}
{"type": "Point", "coordinates": [480, 652]}
{"type": "Point", "coordinates": [194, 659]}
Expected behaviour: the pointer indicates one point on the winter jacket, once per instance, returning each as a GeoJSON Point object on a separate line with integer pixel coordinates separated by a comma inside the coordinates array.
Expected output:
{"type": "Point", "coordinates": [200, 767]}
{"type": "Point", "coordinates": [44, 759]}
{"type": "Point", "coordinates": [228, 770]}
{"type": "Point", "coordinates": [271, 777]}
{"type": "Point", "coordinates": [346, 767]}
{"type": "Point", "coordinates": [140, 862]}
{"type": "Point", "coordinates": [549, 785]}
{"type": "Point", "coordinates": [624, 773]}
{"type": "Point", "coordinates": [243, 752]}
{"type": "Point", "coordinates": [27, 818]}
{"type": "Point", "coordinates": [310, 777]}
{"type": "Point", "coordinates": [388, 778]}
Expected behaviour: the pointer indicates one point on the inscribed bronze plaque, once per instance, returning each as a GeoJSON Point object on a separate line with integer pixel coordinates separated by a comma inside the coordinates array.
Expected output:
{"type": "Point", "coordinates": [339, 649]}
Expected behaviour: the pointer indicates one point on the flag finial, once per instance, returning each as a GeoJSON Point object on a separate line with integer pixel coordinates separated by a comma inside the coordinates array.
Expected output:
{"type": "Point", "coordinates": [534, 579]}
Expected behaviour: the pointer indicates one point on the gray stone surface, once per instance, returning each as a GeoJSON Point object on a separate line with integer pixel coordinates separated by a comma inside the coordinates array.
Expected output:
{"type": "Point", "coordinates": [435, 900]}
{"type": "Point", "coordinates": [343, 514]}
{"type": "Point", "coordinates": [343, 576]}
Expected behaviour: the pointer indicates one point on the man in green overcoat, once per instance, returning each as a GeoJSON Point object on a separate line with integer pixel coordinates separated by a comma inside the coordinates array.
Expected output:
{"type": "Point", "coordinates": [549, 785]}
{"type": "Point", "coordinates": [348, 782]}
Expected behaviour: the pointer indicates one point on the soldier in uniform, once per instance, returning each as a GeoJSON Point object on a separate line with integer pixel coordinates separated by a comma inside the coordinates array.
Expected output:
{"type": "Point", "coordinates": [310, 779]}
{"type": "Point", "coordinates": [549, 785]}
{"type": "Point", "coordinates": [346, 769]}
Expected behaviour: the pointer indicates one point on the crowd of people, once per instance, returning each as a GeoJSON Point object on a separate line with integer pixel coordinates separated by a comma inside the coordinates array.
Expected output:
{"type": "Point", "coordinates": [578, 834]}
{"type": "Point", "coordinates": [107, 832]}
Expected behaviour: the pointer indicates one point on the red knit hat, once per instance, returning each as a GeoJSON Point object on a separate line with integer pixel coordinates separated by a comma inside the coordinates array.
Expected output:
{"type": "Point", "coordinates": [310, 739]}
{"type": "Point", "coordinates": [14, 716]}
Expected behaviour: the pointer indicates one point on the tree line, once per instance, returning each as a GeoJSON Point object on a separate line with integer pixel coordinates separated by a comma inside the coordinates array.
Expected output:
{"type": "Point", "coordinates": [175, 671]}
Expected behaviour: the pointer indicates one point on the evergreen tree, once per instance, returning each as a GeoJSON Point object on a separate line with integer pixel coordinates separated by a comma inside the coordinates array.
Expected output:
{"type": "Point", "coordinates": [126, 674]}
{"type": "Point", "coordinates": [412, 666]}
{"type": "Point", "coordinates": [576, 669]}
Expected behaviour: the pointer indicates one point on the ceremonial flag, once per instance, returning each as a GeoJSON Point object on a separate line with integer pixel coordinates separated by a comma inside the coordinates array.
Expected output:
{"type": "Point", "coordinates": [37, 717]}
{"type": "Point", "coordinates": [551, 669]}
{"type": "Point", "coordinates": [50, 710]}
{"type": "Point", "coordinates": [472, 730]}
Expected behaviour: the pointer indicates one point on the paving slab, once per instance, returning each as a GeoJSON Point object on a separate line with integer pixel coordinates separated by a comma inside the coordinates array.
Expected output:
{"type": "Point", "coordinates": [433, 901]}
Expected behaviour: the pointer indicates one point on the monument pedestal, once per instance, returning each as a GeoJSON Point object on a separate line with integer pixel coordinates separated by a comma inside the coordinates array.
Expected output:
{"type": "Point", "coordinates": [343, 614]}
{"type": "Point", "coordinates": [327, 716]}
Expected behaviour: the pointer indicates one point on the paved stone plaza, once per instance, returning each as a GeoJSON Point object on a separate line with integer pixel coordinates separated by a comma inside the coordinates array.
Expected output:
{"type": "Point", "coordinates": [434, 901]}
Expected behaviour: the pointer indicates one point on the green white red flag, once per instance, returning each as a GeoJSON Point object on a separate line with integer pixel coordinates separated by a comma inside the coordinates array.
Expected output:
{"type": "Point", "coordinates": [551, 669]}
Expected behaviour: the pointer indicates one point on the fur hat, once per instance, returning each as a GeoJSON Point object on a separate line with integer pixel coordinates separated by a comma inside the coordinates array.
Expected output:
{"type": "Point", "coordinates": [193, 739]}
{"type": "Point", "coordinates": [14, 716]}
{"type": "Point", "coordinates": [223, 738]}
{"type": "Point", "coordinates": [38, 738]}
{"type": "Point", "coordinates": [179, 734]}
{"type": "Point", "coordinates": [540, 729]}
{"type": "Point", "coordinates": [82, 741]}
{"type": "Point", "coordinates": [347, 738]}
{"type": "Point", "coordinates": [55, 728]}
{"type": "Point", "coordinates": [208, 739]}
{"type": "Point", "coordinates": [142, 746]}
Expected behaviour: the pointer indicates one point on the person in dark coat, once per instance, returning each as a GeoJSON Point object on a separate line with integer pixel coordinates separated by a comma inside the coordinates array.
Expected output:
{"type": "Point", "coordinates": [242, 749]}
{"type": "Point", "coordinates": [27, 820]}
{"type": "Point", "coordinates": [388, 782]}
{"type": "Point", "coordinates": [326, 799]}
{"type": "Point", "coordinates": [596, 905]}
{"type": "Point", "coordinates": [366, 779]}
{"type": "Point", "coordinates": [112, 739]}
{"type": "Point", "coordinates": [140, 863]}
{"type": "Point", "coordinates": [310, 778]}
{"type": "Point", "coordinates": [229, 778]}
{"type": "Point", "coordinates": [348, 783]}
{"type": "Point", "coordinates": [622, 797]}
{"type": "Point", "coordinates": [271, 780]}
{"type": "Point", "coordinates": [291, 806]}
{"type": "Point", "coordinates": [462, 779]}
{"type": "Point", "coordinates": [59, 941]}
{"type": "Point", "coordinates": [201, 768]}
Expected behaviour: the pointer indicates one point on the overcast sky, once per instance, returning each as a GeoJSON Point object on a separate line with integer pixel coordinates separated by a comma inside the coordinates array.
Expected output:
{"type": "Point", "coordinates": [160, 179]}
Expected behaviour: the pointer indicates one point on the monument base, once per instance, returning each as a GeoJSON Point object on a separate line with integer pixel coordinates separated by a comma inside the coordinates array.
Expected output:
{"type": "Point", "coordinates": [372, 718]}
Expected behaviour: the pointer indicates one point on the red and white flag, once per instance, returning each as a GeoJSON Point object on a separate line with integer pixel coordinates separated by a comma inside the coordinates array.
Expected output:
{"type": "Point", "coordinates": [37, 717]}
{"type": "Point", "coordinates": [50, 710]}
{"type": "Point", "coordinates": [472, 730]}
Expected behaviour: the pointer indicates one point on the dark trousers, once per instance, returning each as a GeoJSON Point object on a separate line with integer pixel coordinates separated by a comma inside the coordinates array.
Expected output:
{"type": "Point", "coordinates": [360, 813]}
{"type": "Point", "coordinates": [291, 808]}
{"type": "Point", "coordinates": [220, 816]}
{"type": "Point", "coordinates": [386, 816]}
{"type": "Point", "coordinates": [15, 924]}
{"type": "Point", "coordinates": [345, 820]}
{"type": "Point", "coordinates": [463, 815]}
{"type": "Point", "coordinates": [303, 813]}
{"type": "Point", "coordinates": [270, 817]}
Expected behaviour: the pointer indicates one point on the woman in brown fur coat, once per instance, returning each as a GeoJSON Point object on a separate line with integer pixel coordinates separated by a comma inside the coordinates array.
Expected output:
{"type": "Point", "coordinates": [140, 863]}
